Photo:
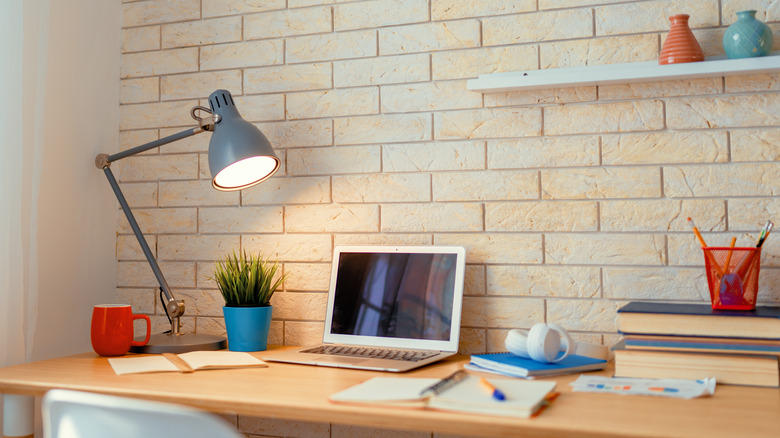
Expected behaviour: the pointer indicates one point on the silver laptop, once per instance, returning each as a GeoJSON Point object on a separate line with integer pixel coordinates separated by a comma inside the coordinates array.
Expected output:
{"type": "Point", "coordinates": [390, 308]}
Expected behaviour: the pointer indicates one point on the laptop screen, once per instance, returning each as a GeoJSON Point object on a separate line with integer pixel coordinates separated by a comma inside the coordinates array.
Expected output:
{"type": "Point", "coordinates": [396, 296]}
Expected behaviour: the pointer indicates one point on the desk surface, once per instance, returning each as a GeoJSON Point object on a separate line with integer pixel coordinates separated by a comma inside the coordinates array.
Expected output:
{"type": "Point", "coordinates": [299, 392]}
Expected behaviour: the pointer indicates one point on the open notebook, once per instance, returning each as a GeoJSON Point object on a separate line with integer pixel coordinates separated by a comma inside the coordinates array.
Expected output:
{"type": "Point", "coordinates": [390, 308]}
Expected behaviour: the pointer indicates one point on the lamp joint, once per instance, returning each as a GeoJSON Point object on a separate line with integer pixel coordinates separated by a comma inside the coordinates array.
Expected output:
{"type": "Point", "coordinates": [101, 161]}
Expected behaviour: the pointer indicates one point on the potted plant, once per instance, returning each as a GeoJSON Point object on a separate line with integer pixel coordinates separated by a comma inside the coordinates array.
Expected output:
{"type": "Point", "coordinates": [247, 284]}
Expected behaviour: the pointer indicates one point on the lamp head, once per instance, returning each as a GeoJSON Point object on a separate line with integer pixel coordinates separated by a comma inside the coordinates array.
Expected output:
{"type": "Point", "coordinates": [240, 156]}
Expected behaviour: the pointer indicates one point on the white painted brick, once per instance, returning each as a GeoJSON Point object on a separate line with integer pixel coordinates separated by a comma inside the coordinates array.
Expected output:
{"type": "Point", "coordinates": [732, 180]}
{"type": "Point", "coordinates": [308, 277]}
{"type": "Point", "coordinates": [157, 167]}
{"type": "Point", "coordinates": [543, 152]}
{"type": "Point", "coordinates": [299, 133]}
{"type": "Point", "coordinates": [532, 97]}
{"type": "Point", "coordinates": [139, 90]}
{"type": "Point", "coordinates": [665, 147]}
{"type": "Point", "coordinates": [196, 33]}
{"type": "Point", "coordinates": [139, 39]}
{"type": "Point", "coordinates": [559, 4]}
{"type": "Point", "coordinates": [501, 312]}
{"type": "Point", "coordinates": [333, 103]}
{"type": "Point", "coordinates": [426, 217]}
{"type": "Point", "coordinates": [194, 193]}
{"type": "Point", "coordinates": [291, 306]}
{"type": "Point", "coordinates": [240, 220]}
{"type": "Point", "coordinates": [604, 117]}
{"type": "Point", "coordinates": [287, 22]}
{"type": "Point", "coordinates": [602, 182]}
{"type": "Point", "coordinates": [260, 107]}
{"type": "Point", "coordinates": [213, 8]}
{"type": "Point", "coordinates": [289, 191]}
{"type": "Point", "coordinates": [496, 247]}
{"type": "Point", "coordinates": [475, 280]}
{"type": "Point", "coordinates": [451, 9]}
{"type": "Point", "coordinates": [428, 96]}
{"type": "Point", "coordinates": [544, 281]}
{"type": "Point", "coordinates": [682, 87]}
{"type": "Point", "coordinates": [382, 239]}
{"type": "Point", "coordinates": [377, 13]}
{"type": "Point", "coordinates": [302, 333]}
{"type": "Point", "coordinates": [336, 160]}
{"type": "Point", "coordinates": [162, 220]}
{"type": "Point", "coordinates": [198, 85]}
{"type": "Point", "coordinates": [140, 194]}
{"type": "Point", "coordinates": [242, 55]}
{"type": "Point", "coordinates": [414, 157]}
{"type": "Point", "coordinates": [383, 128]}
{"type": "Point", "coordinates": [470, 63]}
{"type": "Point", "coordinates": [206, 303]}
{"type": "Point", "coordinates": [381, 70]}
{"type": "Point", "coordinates": [429, 37]}
{"type": "Point", "coordinates": [609, 50]}
{"type": "Point", "coordinates": [128, 248]}
{"type": "Point", "coordinates": [583, 315]}
{"type": "Point", "coordinates": [159, 62]}
{"type": "Point", "coordinates": [328, 47]}
{"type": "Point", "coordinates": [750, 214]}
{"type": "Point", "coordinates": [290, 247]}
{"type": "Point", "coordinates": [131, 139]}
{"type": "Point", "coordinates": [487, 123]}
{"type": "Point", "coordinates": [382, 188]}
{"type": "Point", "coordinates": [485, 185]}
{"type": "Point", "coordinates": [752, 82]}
{"type": "Point", "coordinates": [727, 111]}
{"type": "Point", "coordinates": [653, 16]}
{"type": "Point", "coordinates": [141, 300]}
{"type": "Point", "coordinates": [195, 247]}
{"type": "Point", "coordinates": [154, 115]}
{"type": "Point", "coordinates": [288, 78]}
{"type": "Point", "coordinates": [658, 215]}
{"type": "Point", "coordinates": [331, 218]}
{"type": "Point", "coordinates": [655, 284]}
{"type": "Point", "coordinates": [159, 11]}
{"type": "Point", "coordinates": [540, 26]}
{"type": "Point", "coordinates": [541, 216]}
{"type": "Point", "coordinates": [139, 274]}
{"type": "Point", "coordinates": [606, 249]}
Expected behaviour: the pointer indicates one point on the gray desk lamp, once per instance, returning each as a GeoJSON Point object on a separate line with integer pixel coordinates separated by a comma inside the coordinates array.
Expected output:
{"type": "Point", "coordinates": [240, 156]}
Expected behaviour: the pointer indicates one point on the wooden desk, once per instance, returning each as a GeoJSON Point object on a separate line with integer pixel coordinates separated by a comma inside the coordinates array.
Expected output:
{"type": "Point", "coordinates": [298, 392]}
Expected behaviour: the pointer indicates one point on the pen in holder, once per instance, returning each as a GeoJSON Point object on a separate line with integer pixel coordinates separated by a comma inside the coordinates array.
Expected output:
{"type": "Point", "coordinates": [732, 276]}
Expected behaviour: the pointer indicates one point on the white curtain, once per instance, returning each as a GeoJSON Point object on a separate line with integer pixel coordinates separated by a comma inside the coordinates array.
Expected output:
{"type": "Point", "coordinates": [22, 90]}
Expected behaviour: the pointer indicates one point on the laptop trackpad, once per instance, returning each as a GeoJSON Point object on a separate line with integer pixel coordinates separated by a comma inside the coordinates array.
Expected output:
{"type": "Point", "coordinates": [340, 359]}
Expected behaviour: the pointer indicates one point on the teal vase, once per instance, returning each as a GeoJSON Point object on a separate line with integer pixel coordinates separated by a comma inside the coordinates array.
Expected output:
{"type": "Point", "coordinates": [747, 37]}
{"type": "Point", "coordinates": [247, 327]}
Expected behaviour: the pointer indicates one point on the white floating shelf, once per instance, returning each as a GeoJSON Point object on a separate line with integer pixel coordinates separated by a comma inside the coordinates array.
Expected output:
{"type": "Point", "coordinates": [649, 71]}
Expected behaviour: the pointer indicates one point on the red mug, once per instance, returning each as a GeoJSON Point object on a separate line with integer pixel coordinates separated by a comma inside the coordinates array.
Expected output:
{"type": "Point", "coordinates": [112, 329]}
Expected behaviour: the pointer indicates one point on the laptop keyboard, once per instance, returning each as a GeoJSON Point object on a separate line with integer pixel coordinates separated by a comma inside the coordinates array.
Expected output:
{"type": "Point", "coordinates": [371, 352]}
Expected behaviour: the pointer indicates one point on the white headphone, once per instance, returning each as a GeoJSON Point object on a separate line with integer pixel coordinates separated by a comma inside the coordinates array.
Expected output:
{"type": "Point", "coordinates": [545, 342]}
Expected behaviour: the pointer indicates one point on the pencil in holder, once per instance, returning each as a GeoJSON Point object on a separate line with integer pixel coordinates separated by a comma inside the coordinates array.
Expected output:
{"type": "Point", "coordinates": [732, 276]}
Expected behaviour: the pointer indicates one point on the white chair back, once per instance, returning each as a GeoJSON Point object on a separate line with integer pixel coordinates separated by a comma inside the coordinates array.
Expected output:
{"type": "Point", "coordinates": [74, 414]}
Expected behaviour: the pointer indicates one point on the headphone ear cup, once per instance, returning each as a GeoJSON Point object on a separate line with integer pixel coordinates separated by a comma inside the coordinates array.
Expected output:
{"type": "Point", "coordinates": [516, 342]}
{"type": "Point", "coordinates": [565, 340]}
{"type": "Point", "coordinates": [543, 343]}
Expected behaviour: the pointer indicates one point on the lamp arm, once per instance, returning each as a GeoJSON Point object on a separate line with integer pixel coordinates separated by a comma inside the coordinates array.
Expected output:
{"type": "Point", "coordinates": [173, 308]}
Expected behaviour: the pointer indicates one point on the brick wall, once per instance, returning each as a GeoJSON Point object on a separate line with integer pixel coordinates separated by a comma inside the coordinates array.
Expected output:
{"type": "Point", "coordinates": [569, 201]}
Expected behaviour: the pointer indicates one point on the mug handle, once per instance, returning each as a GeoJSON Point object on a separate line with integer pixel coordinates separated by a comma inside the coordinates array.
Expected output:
{"type": "Point", "coordinates": [148, 330]}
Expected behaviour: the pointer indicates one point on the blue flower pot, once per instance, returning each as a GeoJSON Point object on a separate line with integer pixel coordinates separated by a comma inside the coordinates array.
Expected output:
{"type": "Point", "coordinates": [247, 327]}
{"type": "Point", "coordinates": [747, 37]}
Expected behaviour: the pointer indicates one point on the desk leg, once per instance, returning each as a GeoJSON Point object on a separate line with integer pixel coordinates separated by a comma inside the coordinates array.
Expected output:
{"type": "Point", "coordinates": [18, 416]}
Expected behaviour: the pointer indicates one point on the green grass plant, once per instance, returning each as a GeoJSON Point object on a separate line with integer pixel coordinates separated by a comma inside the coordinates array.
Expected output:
{"type": "Point", "coordinates": [247, 280]}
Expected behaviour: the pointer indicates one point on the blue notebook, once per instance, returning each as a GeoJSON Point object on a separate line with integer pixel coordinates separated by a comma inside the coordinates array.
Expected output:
{"type": "Point", "coordinates": [511, 365]}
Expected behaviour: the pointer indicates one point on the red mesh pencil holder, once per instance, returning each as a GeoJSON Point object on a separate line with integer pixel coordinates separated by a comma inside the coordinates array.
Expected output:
{"type": "Point", "coordinates": [732, 276]}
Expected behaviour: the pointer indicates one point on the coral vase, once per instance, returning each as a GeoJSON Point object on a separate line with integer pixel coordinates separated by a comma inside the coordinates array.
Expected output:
{"type": "Point", "coordinates": [747, 37]}
{"type": "Point", "coordinates": [680, 45]}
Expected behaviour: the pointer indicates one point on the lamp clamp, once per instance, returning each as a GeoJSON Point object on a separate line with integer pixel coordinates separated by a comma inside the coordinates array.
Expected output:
{"type": "Point", "coordinates": [206, 123]}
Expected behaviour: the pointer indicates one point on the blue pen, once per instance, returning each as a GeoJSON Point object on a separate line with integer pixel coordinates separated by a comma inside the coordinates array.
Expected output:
{"type": "Point", "coordinates": [495, 392]}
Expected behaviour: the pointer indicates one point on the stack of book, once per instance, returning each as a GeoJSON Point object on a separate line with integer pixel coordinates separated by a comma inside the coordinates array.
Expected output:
{"type": "Point", "coordinates": [692, 341]}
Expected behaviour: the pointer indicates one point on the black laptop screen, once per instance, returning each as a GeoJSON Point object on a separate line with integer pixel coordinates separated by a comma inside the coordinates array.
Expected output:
{"type": "Point", "coordinates": [394, 295]}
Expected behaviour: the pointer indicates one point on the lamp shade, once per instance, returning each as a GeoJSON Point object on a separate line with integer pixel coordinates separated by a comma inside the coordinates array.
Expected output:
{"type": "Point", "coordinates": [240, 156]}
